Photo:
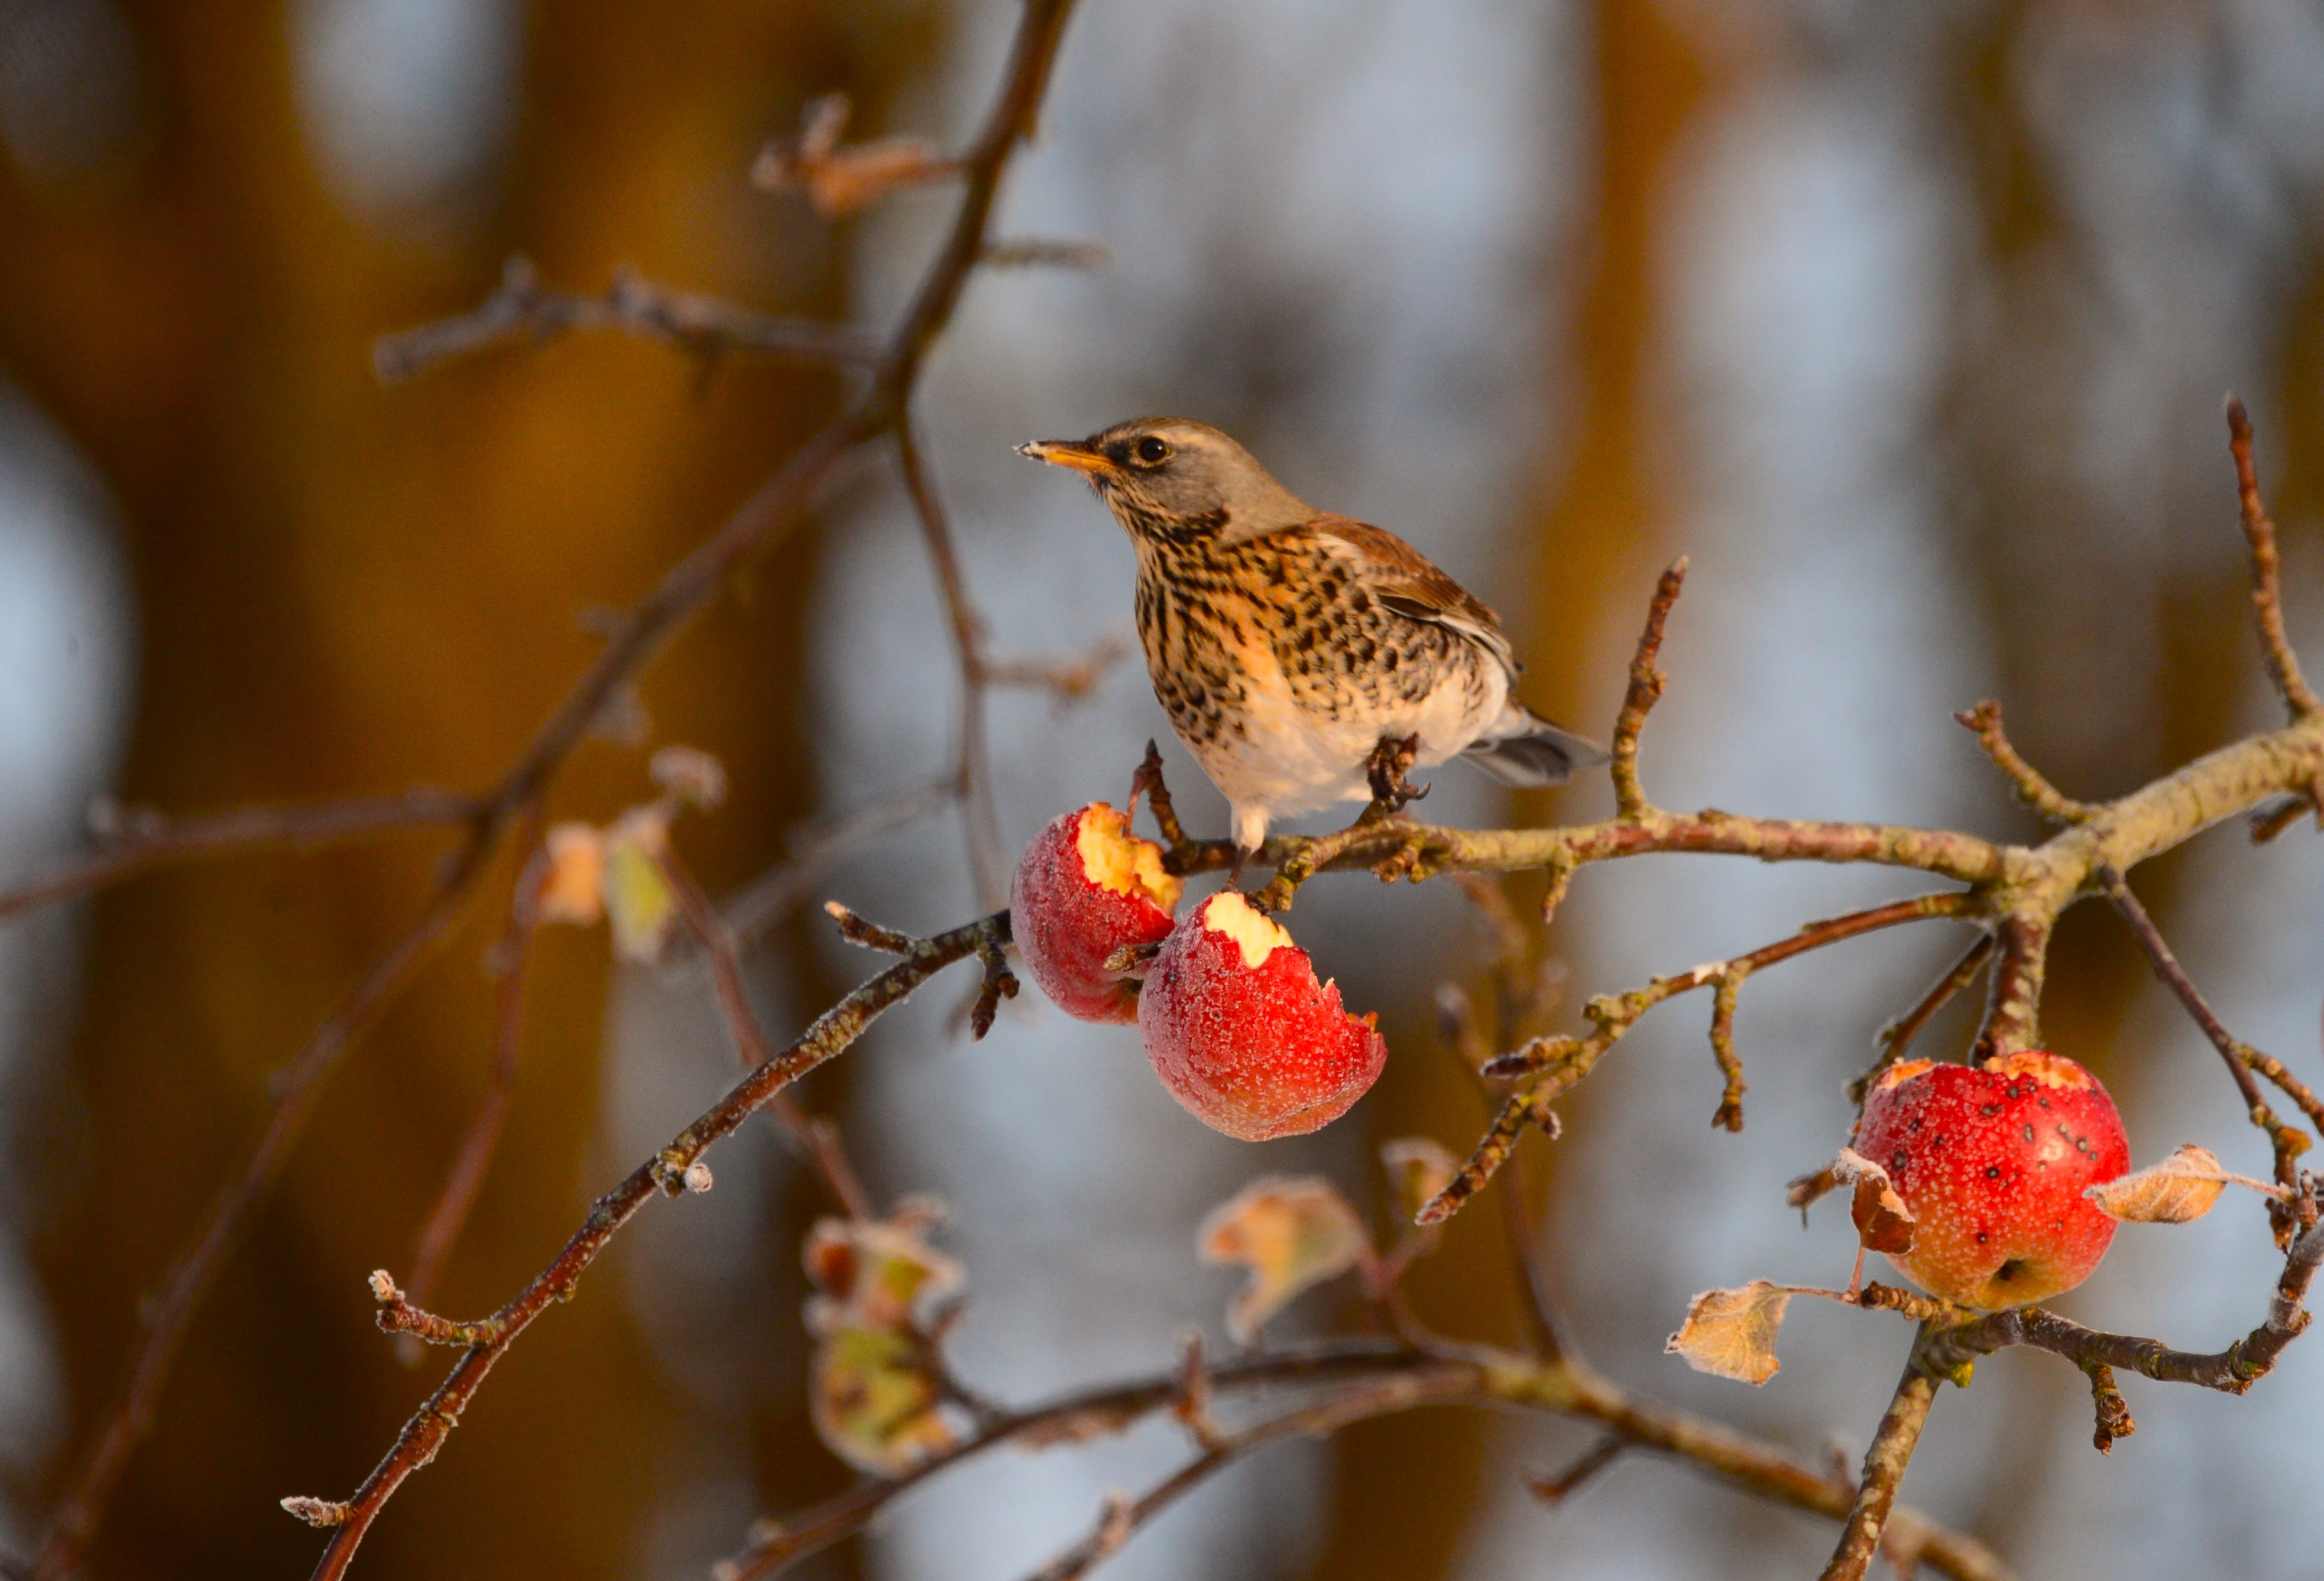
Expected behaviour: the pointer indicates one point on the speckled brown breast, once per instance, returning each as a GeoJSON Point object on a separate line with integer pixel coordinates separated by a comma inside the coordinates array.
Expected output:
{"type": "Point", "coordinates": [1212, 617]}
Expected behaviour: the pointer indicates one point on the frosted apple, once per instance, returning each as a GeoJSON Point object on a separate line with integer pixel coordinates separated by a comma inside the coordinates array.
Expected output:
{"type": "Point", "coordinates": [1243, 1035]}
{"type": "Point", "coordinates": [1085, 888]}
{"type": "Point", "coordinates": [1993, 1159]}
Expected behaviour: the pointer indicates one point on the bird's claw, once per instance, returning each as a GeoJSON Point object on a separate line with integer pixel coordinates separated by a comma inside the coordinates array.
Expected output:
{"type": "Point", "coordinates": [1391, 791]}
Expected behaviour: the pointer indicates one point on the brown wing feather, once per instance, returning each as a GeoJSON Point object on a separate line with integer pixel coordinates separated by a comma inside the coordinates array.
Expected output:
{"type": "Point", "coordinates": [1407, 581]}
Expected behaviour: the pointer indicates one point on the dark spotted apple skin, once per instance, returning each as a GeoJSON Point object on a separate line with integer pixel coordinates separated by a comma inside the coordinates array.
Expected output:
{"type": "Point", "coordinates": [1993, 1161]}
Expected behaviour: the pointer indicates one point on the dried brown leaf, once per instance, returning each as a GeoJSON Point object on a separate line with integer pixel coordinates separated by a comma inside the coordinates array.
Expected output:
{"type": "Point", "coordinates": [2184, 1186]}
{"type": "Point", "coordinates": [1292, 1232]}
{"type": "Point", "coordinates": [1731, 1333]}
{"type": "Point", "coordinates": [1883, 1222]}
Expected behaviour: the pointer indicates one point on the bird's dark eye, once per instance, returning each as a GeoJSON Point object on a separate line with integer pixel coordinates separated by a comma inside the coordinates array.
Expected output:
{"type": "Point", "coordinates": [1152, 451]}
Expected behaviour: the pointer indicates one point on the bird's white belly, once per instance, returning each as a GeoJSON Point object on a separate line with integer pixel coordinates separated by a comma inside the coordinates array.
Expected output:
{"type": "Point", "coordinates": [1289, 760]}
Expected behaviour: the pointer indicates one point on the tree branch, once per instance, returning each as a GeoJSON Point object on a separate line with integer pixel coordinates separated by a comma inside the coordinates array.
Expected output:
{"type": "Point", "coordinates": [523, 309]}
{"type": "Point", "coordinates": [2033, 789]}
{"type": "Point", "coordinates": [148, 840]}
{"type": "Point", "coordinates": [1553, 1066]}
{"type": "Point", "coordinates": [634, 642]}
{"type": "Point", "coordinates": [2232, 1371]}
{"type": "Point", "coordinates": [1897, 1036]}
{"type": "Point", "coordinates": [672, 1171]}
{"type": "Point", "coordinates": [1646, 689]}
{"type": "Point", "coordinates": [817, 1139]}
{"type": "Point", "coordinates": [1368, 1379]}
{"type": "Point", "coordinates": [2288, 1142]}
{"type": "Point", "coordinates": [1884, 1472]}
{"type": "Point", "coordinates": [2267, 592]}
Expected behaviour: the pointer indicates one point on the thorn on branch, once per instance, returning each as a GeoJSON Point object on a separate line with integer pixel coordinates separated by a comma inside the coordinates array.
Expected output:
{"type": "Point", "coordinates": [1561, 875]}
{"type": "Point", "coordinates": [1645, 688]}
{"type": "Point", "coordinates": [2267, 592]}
{"type": "Point", "coordinates": [2273, 817]}
{"type": "Point", "coordinates": [2035, 791]}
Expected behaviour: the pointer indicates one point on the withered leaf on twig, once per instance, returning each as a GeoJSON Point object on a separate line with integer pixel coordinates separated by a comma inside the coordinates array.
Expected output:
{"type": "Point", "coordinates": [1731, 1333]}
{"type": "Point", "coordinates": [2184, 1186]}
{"type": "Point", "coordinates": [1883, 1222]}
{"type": "Point", "coordinates": [1292, 1232]}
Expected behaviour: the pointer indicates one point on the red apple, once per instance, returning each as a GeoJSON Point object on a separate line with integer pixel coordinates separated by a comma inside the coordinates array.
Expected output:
{"type": "Point", "coordinates": [1242, 1034]}
{"type": "Point", "coordinates": [1085, 888]}
{"type": "Point", "coordinates": [1993, 1159]}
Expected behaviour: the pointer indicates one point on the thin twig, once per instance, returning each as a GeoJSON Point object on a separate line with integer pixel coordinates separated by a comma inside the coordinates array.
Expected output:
{"type": "Point", "coordinates": [1645, 688]}
{"type": "Point", "coordinates": [1897, 1036]}
{"type": "Point", "coordinates": [817, 1139]}
{"type": "Point", "coordinates": [1553, 1066]}
{"type": "Point", "coordinates": [148, 841]}
{"type": "Point", "coordinates": [2035, 791]}
{"type": "Point", "coordinates": [980, 815]}
{"type": "Point", "coordinates": [1556, 1489]}
{"type": "Point", "coordinates": [2267, 592]}
{"type": "Point", "coordinates": [1488, 1377]}
{"type": "Point", "coordinates": [465, 1179]}
{"type": "Point", "coordinates": [1121, 1522]}
{"type": "Point", "coordinates": [2288, 1142]}
{"type": "Point", "coordinates": [523, 309]}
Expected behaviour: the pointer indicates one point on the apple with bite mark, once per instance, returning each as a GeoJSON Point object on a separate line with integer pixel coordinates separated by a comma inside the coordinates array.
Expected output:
{"type": "Point", "coordinates": [1992, 1159]}
{"type": "Point", "coordinates": [1243, 1035]}
{"type": "Point", "coordinates": [1085, 888]}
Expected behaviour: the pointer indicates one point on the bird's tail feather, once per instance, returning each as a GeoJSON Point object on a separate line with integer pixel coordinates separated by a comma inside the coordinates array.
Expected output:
{"type": "Point", "coordinates": [1525, 750]}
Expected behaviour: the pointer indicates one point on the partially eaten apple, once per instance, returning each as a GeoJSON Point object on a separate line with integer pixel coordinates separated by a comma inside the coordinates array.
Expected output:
{"type": "Point", "coordinates": [1085, 888]}
{"type": "Point", "coordinates": [1243, 1035]}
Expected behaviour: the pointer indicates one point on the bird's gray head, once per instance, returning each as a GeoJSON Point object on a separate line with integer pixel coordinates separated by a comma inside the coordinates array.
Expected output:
{"type": "Point", "coordinates": [1178, 481]}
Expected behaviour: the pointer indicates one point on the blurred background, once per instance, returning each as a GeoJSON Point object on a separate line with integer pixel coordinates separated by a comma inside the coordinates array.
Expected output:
{"type": "Point", "coordinates": [1908, 322]}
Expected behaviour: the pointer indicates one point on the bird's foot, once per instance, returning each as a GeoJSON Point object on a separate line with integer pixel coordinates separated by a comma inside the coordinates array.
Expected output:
{"type": "Point", "coordinates": [1391, 791]}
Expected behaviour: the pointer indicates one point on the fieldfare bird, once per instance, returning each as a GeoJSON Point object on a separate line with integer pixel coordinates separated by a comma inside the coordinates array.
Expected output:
{"type": "Point", "coordinates": [1290, 646]}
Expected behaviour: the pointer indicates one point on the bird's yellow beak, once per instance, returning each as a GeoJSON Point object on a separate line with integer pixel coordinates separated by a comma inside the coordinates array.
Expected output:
{"type": "Point", "coordinates": [1071, 453]}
